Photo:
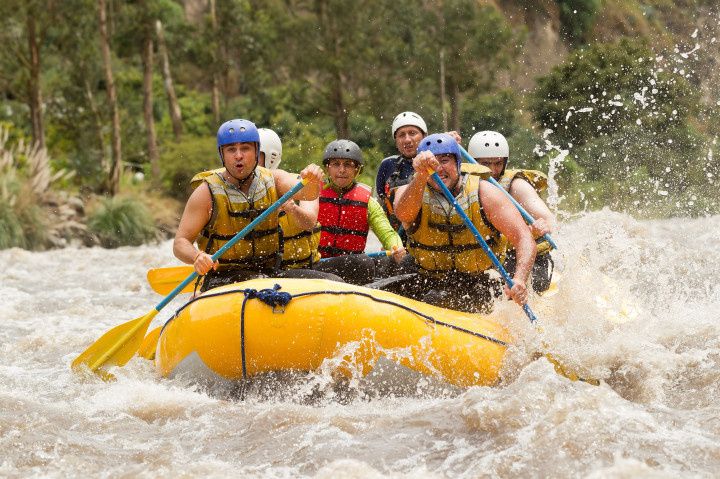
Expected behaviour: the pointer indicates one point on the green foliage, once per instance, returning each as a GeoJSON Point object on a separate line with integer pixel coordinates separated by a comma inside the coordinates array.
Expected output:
{"type": "Point", "coordinates": [495, 111]}
{"type": "Point", "coordinates": [606, 87]}
{"type": "Point", "coordinates": [196, 112]}
{"type": "Point", "coordinates": [122, 222]}
{"type": "Point", "coordinates": [180, 161]}
{"type": "Point", "coordinates": [632, 171]}
{"type": "Point", "coordinates": [477, 41]}
{"type": "Point", "coordinates": [22, 222]}
{"type": "Point", "coordinates": [577, 17]}
{"type": "Point", "coordinates": [305, 68]}
{"type": "Point", "coordinates": [22, 174]}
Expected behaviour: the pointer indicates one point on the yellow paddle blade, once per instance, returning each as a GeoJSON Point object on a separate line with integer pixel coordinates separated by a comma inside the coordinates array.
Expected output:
{"type": "Point", "coordinates": [164, 280]}
{"type": "Point", "coordinates": [116, 347]}
{"type": "Point", "coordinates": [571, 375]}
{"type": "Point", "coordinates": [149, 344]}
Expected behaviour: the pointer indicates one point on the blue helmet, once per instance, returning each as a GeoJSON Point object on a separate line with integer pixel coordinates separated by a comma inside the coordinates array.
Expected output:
{"type": "Point", "coordinates": [238, 131]}
{"type": "Point", "coordinates": [441, 144]}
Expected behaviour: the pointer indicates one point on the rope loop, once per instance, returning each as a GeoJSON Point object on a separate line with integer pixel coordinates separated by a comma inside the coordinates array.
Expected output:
{"type": "Point", "coordinates": [272, 297]}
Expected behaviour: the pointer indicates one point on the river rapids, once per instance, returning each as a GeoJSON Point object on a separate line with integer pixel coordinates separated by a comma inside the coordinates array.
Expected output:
{"type": "Point", "coordinates": [637, 307]}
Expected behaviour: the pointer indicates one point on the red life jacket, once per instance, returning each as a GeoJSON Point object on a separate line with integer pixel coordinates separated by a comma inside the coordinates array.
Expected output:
{"type": "Point", "coordinates": [343, 221]}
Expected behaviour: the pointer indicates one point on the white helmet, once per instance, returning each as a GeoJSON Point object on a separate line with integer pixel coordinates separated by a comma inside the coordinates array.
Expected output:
{"type": "Point", "coordinates": [271, 145]}
{"type": "Point", "coordinates": [488, 144]}
{"type": "Point", "coordinates": [408, 118]}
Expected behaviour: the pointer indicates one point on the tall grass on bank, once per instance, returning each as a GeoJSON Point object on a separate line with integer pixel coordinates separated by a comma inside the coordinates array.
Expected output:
{"type": "Point", "coordinates": [122, 222]}
{"type": "Point", "coordinates": [24, 180]}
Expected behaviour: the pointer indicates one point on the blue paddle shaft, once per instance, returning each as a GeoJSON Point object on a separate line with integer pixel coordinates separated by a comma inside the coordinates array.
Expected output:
{"type": "Point", "coordinates": [529, 219]}
{"type": "Point", "coordinates": [481, 241]}
{"type": "Point", "coordinates": [240, 235]}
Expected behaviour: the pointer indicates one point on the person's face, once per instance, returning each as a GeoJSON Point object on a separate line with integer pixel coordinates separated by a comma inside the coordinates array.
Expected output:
{"type": "Point", "coordinates": [496, 165]}
{"type": "Point", "coordinates": [447, 170]}
{"type": "Point", "coordinates": [342, 171]}
{"type": "Point", "coordinates": [239, 159]}
{"type": "Point", "coordinates": [261, 161]}
{"type": "Point", "coordinates": [407, 139]}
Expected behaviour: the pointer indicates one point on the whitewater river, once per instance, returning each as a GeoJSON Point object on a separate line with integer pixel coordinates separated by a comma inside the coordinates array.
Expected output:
{"type": "Point", "coordinates": [637, 307]}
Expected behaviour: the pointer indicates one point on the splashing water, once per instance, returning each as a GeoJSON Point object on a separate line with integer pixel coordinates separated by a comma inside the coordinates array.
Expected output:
{"type": "Point", "coordinates": [636, 307]}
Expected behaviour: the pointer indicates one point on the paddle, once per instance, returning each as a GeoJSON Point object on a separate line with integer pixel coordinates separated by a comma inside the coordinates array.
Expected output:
{"type": "Point", "coordinates": [164, 280]}
{"type": "Point", "coordinates": [559, 368]}
{"type": "Point", "coordinates": [118, 345]}
{"type": "Point", "coordinates": [529, 219]}
{"type": "Point", "coordinates": [481, 241]}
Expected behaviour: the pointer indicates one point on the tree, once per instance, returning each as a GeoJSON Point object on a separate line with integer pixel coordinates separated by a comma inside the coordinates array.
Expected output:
{"type": "Point", "coordinates": [602, 89]}
{"type": "Point", "coordinates": [216, 62]}
{"type": "Point", "coordinates": [22, 33]}
{"type": "Point", "coordinates": [476, 43]}
{"type": "Point", "coordinates": [577, 18]}
{"type": "Point", "coordinates": [113, 180]}
{"type": "Point", "coordinates": [336, 55]}
{"type": "Point", "coordinates": [173, 106]}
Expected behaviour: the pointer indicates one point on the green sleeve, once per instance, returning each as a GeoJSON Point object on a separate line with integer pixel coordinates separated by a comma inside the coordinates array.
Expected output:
{"type": "Point", "coordinates": [380, 225]}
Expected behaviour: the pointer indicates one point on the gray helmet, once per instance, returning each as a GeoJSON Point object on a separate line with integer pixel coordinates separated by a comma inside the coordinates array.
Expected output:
{"type": "Point", "coordinates": [343, 149]}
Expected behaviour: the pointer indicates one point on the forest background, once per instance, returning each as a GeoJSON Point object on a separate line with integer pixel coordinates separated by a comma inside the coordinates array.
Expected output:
{"type": "Point", "coordinates": [109, 107]}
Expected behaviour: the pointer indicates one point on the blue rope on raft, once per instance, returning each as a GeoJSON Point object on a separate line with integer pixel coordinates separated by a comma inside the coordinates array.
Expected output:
{"type": "Point", "coordinates": [274, 297]}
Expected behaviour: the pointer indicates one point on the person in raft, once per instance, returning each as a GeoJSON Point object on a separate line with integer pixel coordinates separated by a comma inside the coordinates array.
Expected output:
{"type": "Point", "coordinates": [227, 200]}
{"type": "Point", "coordinates": [407, 129]}
{"type": "Point", "coordinates": [452, 267]}
{"type": "Point", "coordinates": [299, 228]}
{"type": "Point", "coordinates": [347, 213]}
{"type": "Point", "coordinates": [490, 149]}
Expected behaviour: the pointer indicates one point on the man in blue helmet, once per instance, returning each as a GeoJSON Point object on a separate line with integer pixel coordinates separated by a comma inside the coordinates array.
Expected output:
{"type": "Point", "coordinates": [226, 200]}
{"type": "Point", "coordinates": [452, 267]}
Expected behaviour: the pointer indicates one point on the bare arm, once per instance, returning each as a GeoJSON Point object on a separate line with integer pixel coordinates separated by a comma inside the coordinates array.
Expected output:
{"type": "Point", "coordinates": [408, 198]}
{"type": "Point", "coordinates": [194, 218]}
{"type": "Point", "coordinates": [528, 198]}
{"type": "Point", "coordinates": [285, 181]}
{"type": "Point", "coordinates": [304, 214]}
{"type": "Point", "coordinates": [503, 215]}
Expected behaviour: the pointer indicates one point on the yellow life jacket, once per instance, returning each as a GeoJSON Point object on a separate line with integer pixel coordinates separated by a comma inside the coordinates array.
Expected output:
{"type": "Point", "coordinates": [439, 240]}
{"type": "Point", "coordinates": [232, 211]}
{"type": "Point", "coordinates": [537, 180]}
{"type": "Point", "coordinates": [300, 247]}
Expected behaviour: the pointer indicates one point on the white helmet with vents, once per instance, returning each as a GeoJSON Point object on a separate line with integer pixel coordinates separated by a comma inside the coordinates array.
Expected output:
{"type": "Point", "coordinates": [408, 118]}
{"type": "Point", "coordinates": [271, 145]}
{"type": "Point", "coordinates": [488, 144]}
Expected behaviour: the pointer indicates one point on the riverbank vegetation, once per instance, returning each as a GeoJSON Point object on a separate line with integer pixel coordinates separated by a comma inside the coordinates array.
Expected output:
{"type": "Point", "coordinates": [118, 102]}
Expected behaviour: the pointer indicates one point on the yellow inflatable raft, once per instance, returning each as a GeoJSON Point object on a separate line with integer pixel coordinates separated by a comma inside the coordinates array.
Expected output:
{"type": "Point", "coordinates": [231, 333]}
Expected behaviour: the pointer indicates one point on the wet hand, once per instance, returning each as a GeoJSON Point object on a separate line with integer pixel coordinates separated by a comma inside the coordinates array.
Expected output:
{"type": "Point", "coordinates": [204, 263]}
{"type": "Point", "coordinates": [539, 228]}
{"type": "Point", "coordinates": [313, 174]}
{"type": "Point", "coordinates": [398, 253]}
{"type": "Point", "coordinates": [425, 164]}
{"type": "Point", "coordinates": [456, 136]}
{"type": "Point", "coordinates": [288, 206]}
{"type": "Point", "coordinates": [518, 293]}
